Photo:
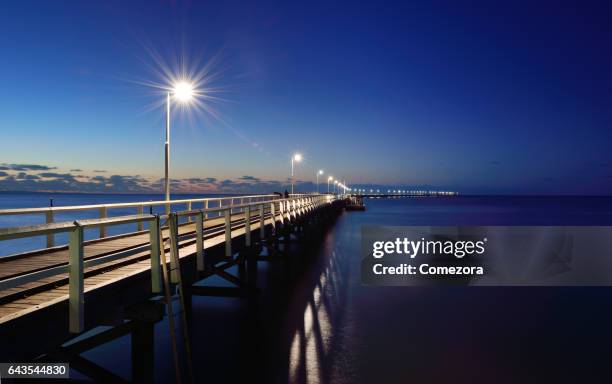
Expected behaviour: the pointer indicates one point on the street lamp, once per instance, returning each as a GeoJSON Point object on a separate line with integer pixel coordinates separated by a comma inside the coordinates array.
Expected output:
{"type": "Point", "coordinates": [295, 158]}
{"type": "Point", "coordinates": [336, 187]}
{"type": "Point", "coordinates": [318, 173]}
{"type": "Point", "coordinates": [328, 180]}
{"type": "Point", "coordinates": [183, 92]}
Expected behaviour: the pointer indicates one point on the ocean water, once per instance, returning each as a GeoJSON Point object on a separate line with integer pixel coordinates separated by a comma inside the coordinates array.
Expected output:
{"type": "Point", "coordinates": [316, 323]}
{"type": "Point", "coordinates": [458, 334]}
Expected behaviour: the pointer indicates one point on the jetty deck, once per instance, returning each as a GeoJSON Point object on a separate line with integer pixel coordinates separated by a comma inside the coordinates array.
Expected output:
{"type": "Point", "coordinates": [20, 300]}
{"type": "Point", "coordinates": [71, 275]}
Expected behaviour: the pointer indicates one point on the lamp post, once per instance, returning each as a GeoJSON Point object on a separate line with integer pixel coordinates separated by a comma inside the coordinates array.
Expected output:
{"type": "Point", "coordinates": [336, 187]}
{"type": "Point", "coordinates": [295, 158]}
{"type": "Point", "coordinates": [183, 92]}
{"type": "Point", "coordinates": [328, 180]}
{"type": "Point", "coordinates": [318, 173]}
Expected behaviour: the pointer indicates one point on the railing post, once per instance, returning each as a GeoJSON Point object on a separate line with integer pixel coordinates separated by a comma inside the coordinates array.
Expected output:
{"type": "Point", "coordinates": [206, 207]}
{"type": "Point", "coordinates": [103, 215]}
{"type": "Point", "coordinates": [156, 279]}
{"type": "Point", "coordinates": [50, 236]}
{"type": "Point", "coordinates": [189, 209]}
{"type": "Point", "coordinates": [285, 211]}
{"type": "Point", "coordinates": [140, 225]}
{"type": "Point", "coordinates": [262, 223]}
{"type": "Point", "coordinates": [174, 247]}
{"type": "Point", "coordinates": [247, 225]}
{"type": "Point", "coordinates": [228, 232]}
{"type": "Point", "coordinates": [200, 241]}
{"type": "Point", "coordinates": [273, 214]}
{"type": "Point", "coordinates": [75, 281]}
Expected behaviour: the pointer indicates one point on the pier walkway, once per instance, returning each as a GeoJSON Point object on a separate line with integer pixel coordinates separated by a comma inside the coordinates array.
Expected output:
{"type": "Point", "coordinates": [55, 283]}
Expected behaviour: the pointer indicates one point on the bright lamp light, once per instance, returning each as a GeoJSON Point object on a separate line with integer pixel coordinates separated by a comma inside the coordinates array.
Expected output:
{"type": "Point", "coordinates": [183, 91]}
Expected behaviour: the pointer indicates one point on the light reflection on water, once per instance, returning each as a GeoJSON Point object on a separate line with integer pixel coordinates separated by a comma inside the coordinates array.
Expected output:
{"type": "Point", "coordinates": [312, 354]}
{"type": "Point", "coordinates": [351, 333]}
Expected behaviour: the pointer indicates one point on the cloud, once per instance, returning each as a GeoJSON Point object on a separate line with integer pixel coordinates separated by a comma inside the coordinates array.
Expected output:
{"type": "Point", "coordinates": [250, 178]}
{"type": "Point", "coordinates": [60, 176]}
{"type": "Point", "coordinates": [24, 167]}
{"type": "Point", "coordinates": [198, 180]}
{"type": "Point", "coordinates": [25, 176]}
{"type": "Point", "coordinates": [99, 170]}
{"type": "Point", "coordinates": [31, 179]}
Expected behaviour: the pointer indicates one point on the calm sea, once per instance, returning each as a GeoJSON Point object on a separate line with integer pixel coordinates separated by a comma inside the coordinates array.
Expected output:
{"type": "Point", "coordinates": [319, 324]}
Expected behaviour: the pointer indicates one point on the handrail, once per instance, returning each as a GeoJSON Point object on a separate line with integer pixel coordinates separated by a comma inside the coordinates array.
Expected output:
{"type": "Point", "coordinates": [49, 212]}
{"type": "Point", "coordinates": [193, 212]}
{"type": "Point", "coordinates": [34, 230]}
{"type": "Point", "coordinates": [66, 226]}
{"type": "Point", "coordinates": [114, 220]}
{"type": "Point", "coordinates": [71, 208]}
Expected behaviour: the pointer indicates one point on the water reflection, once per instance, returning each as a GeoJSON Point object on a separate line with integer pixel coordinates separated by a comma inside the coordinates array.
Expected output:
{"type": "Point", "coordinates": [311, 353]}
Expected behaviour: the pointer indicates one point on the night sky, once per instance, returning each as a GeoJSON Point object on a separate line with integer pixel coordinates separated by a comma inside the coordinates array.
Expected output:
{"type": "Point", "coordinates": [478, 97]}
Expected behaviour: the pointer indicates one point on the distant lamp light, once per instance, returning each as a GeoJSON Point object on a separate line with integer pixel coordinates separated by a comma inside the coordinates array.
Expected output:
{"type": "Point", "coordinates": [296, 158]}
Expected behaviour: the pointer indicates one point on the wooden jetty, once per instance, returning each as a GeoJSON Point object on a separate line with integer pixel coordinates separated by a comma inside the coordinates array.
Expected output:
{"type": "Point", "coordinates": [49, 295]}
{"type": "Point", "coordinates": [399, 194]}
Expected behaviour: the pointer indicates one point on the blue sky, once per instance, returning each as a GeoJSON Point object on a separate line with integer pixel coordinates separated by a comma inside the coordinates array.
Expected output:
{"type": "Point", "coordinates": [480, 97]}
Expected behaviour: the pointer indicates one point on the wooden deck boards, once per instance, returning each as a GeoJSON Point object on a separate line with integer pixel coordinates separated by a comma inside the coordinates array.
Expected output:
{"type": "Point", "coordinates": [30, 263]}
{"type": "Point", "coordinates": [100, 275]}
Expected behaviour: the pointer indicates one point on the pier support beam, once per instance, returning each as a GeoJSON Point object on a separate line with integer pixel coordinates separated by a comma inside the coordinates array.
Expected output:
{"type": "Point", "coordinates": [200, 241]}
{"type": "Point", "coordinates": [50, 236]}
{"type": "Point", "coordinates": [75, 281]}
{"type": "Point", "coordinates": [143, 347]}
{"type": "Point", "coordinates": [156, 277]}
{"type": "Point", "coordinates": [228, 232]}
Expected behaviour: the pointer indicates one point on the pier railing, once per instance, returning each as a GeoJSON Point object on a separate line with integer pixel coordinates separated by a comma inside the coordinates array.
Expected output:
{"type": "Point", "coordinates": [277, 209]}
{"type": "Point", "coordinates": [49, 213]}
